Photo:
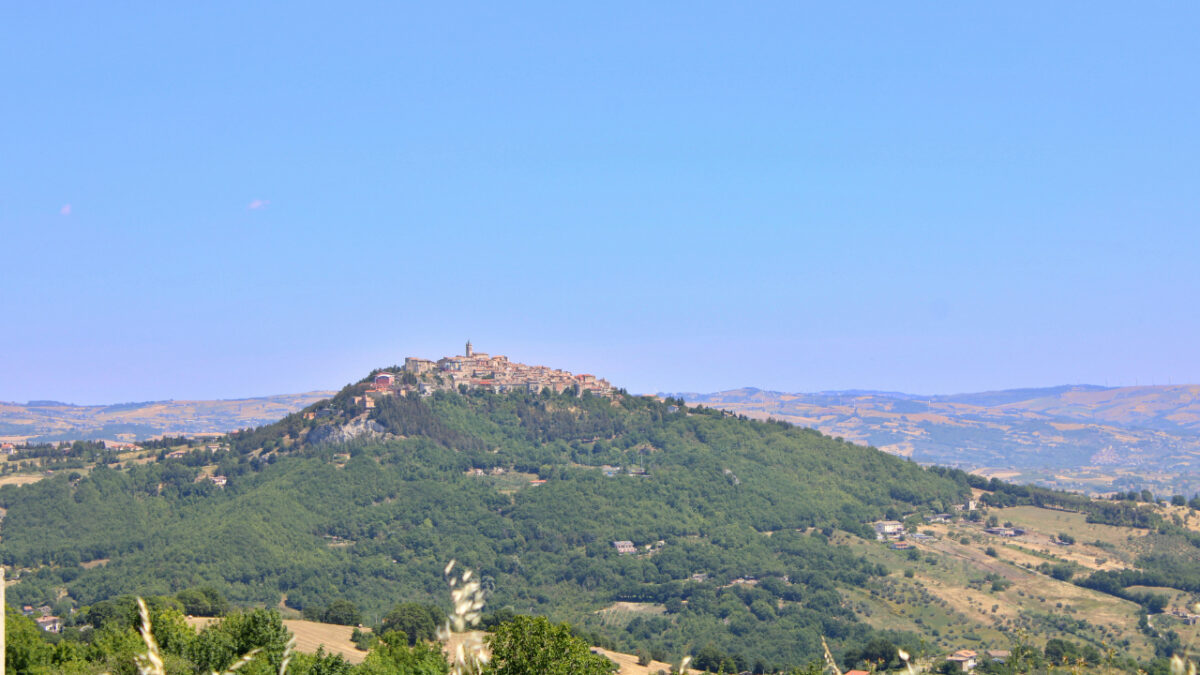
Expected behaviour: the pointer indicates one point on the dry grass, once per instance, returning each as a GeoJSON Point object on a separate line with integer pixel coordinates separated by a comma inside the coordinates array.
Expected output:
{"type": "Point", "coordinates": [21, 479]}
{"type": "Point", "coordinates": [629, 666]}
{"type": "Point", "coordinates": [1049, 522]}
{"type": "Point", "coordinates": [310, 635]}
{"type": "Point", "coordinates": [335, 639]}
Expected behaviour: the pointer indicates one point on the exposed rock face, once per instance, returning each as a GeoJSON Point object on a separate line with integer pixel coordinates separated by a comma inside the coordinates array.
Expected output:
{"type": "Point", "coordinates": [359, 427]}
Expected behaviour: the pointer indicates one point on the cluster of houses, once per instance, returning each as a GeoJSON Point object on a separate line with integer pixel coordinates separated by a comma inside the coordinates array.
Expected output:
{"type": "Point", "coordinates": [966, 659]}
{"type": "Point", "coordinates": [9, 448]}
{"type": "Point", "coordinates": [886, 530]}
{"type": "Point", "coordinates": [179, 454]}
{"type": "Point", "coordinates": [626, 547]}
{"type": "Point", "coordinates": [1183, 615]}
{"type": "Point", "coordinates": [45, 620]}
{"type": "Point", "coordinates": [477, 370]}
{"type": "Point", "coordinates": [610, 471]}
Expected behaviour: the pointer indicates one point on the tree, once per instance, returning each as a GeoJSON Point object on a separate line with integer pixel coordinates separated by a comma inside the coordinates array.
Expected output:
{"type": "Point", "coordinates": [342, 612]}
{"type": "Point", "coordinates": [218, 645]}
{"type": "Point", "coordinates": [391, 655]}
{"type": "Point", "coordinates": [25, 649]}
{"type": "Point", "coordinates": [1062, 572]}
{"type": "Point", "coordinates": [878, 651]}
{"type": "Point", "coordinates": [320, 664]}
{"type": "Point", "coordinates": [1154, 603]}
{"type": "Point", "coordinates": [1059, 651]}
{"type": "Point", "coordinates": [418, 622]}
{"type": "Point", "coordinates": [534, 646]}
{"type": "Point", "coordinates": [203, 601]}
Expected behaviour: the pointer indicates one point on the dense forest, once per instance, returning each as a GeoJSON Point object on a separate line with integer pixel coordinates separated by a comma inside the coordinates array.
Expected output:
{"type": "Point", "coordinates": [730, 518]}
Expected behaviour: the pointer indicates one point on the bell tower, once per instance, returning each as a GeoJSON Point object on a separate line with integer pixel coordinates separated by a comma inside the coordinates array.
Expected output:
{"type": "Point", "coordinates": [470, 352]}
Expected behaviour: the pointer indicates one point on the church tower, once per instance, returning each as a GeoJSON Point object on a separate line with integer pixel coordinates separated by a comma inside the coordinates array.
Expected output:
{"type": "Point", "coordinates": [470, 352]}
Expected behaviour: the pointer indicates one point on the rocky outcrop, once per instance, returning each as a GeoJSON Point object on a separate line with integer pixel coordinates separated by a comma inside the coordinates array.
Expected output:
{"type": "Point", "coordinates": [358, 428]}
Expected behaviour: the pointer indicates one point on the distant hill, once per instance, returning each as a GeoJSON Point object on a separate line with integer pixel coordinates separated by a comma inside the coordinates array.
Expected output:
{"type": "Point", "coordinates": [1103, 438]}
{"type": "Point", "coordinates": [41, 421]}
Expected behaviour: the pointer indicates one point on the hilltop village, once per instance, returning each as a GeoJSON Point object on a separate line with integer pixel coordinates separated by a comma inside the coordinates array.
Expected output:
{"type": "Point", "coordinates": [477, 370]}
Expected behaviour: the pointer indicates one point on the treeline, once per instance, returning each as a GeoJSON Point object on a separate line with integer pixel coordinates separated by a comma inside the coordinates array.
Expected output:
{"type": "Point", "coordinates": [1118, 512]}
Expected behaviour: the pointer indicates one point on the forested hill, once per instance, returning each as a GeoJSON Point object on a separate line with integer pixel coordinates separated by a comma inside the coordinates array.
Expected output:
{"type": "Point", "coordinates": [730, 517]}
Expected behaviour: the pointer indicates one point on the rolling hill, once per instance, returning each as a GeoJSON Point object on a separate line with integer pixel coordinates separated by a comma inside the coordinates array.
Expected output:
{"type": "Point", "coordinates": [1074, 437]}
{"type": "Point", "coordinates": [530, 490]}
{"type": "Point", "coordinates": [45, 421]}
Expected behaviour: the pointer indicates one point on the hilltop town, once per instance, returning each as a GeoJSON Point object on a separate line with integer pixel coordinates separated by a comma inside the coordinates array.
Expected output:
{"type": "Point", "coordinates": [477, 370]}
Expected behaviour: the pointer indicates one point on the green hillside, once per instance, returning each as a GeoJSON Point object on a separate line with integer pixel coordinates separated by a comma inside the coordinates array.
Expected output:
{"type": "Point", "coordinates": [731, 518]}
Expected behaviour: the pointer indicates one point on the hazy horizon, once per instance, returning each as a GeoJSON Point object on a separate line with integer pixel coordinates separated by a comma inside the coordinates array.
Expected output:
{"type": "Point", "coordinates": [666, 392]}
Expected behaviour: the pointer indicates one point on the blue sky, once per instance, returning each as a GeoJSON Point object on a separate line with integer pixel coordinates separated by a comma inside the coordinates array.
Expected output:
{"type": "Point", "coordinates": [233, 199]}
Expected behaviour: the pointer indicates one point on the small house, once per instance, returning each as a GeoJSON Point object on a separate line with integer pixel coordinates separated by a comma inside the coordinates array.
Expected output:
{"type": "Point", "coordinates": [888, 528]}
{"type": "Point", "coordinates": [965, 659]}
{"type": "Point", "coordinates": [624, 547]}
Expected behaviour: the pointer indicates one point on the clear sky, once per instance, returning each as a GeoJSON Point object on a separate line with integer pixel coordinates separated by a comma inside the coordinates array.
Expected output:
{"type": "Point", "coordinates": [227, 199]}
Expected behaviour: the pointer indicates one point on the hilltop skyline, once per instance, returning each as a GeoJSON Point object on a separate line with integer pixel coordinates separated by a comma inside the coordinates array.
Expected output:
{"type": "Point", "coordinates": [230, 201]}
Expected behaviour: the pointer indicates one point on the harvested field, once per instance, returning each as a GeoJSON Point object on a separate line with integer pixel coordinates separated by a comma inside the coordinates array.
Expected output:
{"type": "Point", "coordinates": [21, 479]}
{"type": "Point", "coordinates": [309, 636]}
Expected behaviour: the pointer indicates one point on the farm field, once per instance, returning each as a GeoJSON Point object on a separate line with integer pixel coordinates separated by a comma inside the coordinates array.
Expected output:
{"type": "Point", "coordinates": [1049, 522]}
{"type": "Point", "coordinates": [310, 635]}
{"type": "Point", "coordinates": [966, 589]}
{"type": "Point", "coordinates": [21, 478]}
